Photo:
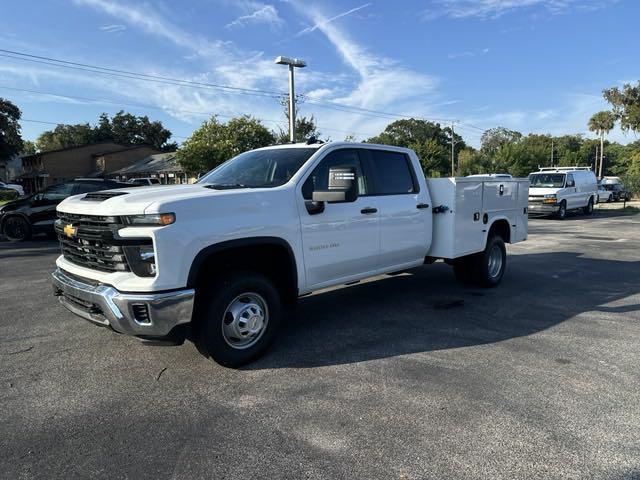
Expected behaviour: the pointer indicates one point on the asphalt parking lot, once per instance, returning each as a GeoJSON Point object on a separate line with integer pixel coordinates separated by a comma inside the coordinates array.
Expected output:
{"type": "Point", "coordinates": [405, 377]}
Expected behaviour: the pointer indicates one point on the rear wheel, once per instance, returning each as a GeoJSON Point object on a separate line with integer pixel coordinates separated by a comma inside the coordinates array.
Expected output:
{"type": "Point", "coordinates": [489, 266]}
{"type": "Point", "coordinates": [588, 210]}
{"type": "Point", "coordinates": [17, 229]}
{"type": "Point", "coordinates": [238, 317]}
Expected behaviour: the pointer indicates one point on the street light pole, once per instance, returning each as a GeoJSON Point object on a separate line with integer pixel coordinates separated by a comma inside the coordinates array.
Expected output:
{"type": "Point", "coordinates": [292, 63]}
{"type": "Point", "coordinates": [292, 106]}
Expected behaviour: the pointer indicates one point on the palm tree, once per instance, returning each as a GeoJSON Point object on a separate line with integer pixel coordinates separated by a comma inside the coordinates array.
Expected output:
{"type": "Point", "coordinates": [602, 123]}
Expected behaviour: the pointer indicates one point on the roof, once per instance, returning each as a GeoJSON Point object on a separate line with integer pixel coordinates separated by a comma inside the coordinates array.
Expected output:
{"type": "Point", "coordinates": [124, 147]}
{"type": "Point", "coordinates": [160, 162]}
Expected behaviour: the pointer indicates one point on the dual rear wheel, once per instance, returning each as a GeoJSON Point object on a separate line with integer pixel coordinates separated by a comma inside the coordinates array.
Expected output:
{"type": "Point", "coordinates": [484, 269]}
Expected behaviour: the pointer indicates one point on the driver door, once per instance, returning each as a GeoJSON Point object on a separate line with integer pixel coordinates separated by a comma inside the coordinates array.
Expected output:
{"type": "Point", "coordinates": [342, 242]}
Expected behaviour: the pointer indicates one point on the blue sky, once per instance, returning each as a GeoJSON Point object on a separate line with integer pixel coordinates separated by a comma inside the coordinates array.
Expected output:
{"type": "Point", "coordinates": [530, 65]}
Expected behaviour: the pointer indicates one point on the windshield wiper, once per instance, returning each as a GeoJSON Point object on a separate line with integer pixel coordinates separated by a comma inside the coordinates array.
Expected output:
{"type": "Point", "coordinates": [226, 186]}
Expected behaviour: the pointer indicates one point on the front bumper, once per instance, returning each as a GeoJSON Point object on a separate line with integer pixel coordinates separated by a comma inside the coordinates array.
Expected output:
{"type": "Point", "coordinates": [152, 315]}
{"type": "Point", "coordinates": [543, 209]}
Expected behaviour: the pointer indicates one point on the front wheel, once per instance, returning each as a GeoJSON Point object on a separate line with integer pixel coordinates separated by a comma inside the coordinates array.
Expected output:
{"type": "Point", "coordinates": [588, 210]}
{"type": "Point", "coordinates": [238, 317]}
{"type": "Point", "coordinates": [562, 211]}
{"type": "Point", "coordinates": [17, 229]}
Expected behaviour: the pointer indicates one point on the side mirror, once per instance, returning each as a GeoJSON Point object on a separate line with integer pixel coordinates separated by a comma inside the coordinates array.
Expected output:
{"type": "Point", "coordinates": [571, 183]}
{"type": "Point", "coordinates": [342, 186]}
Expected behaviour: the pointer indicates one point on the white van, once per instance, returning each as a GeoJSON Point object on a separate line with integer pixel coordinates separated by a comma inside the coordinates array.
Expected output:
{"type": "Point", "coordinates": [555, 190]}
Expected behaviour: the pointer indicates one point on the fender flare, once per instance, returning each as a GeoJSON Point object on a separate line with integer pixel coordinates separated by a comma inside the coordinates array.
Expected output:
{"type": "Point", "coordinates": [215, 248]}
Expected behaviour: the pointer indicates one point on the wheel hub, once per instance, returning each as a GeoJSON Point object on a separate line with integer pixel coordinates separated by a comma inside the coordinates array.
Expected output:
{"type": "Point", "coordinates": [495, 261]}
{"type": "Point", "coordinates": [245, 320]}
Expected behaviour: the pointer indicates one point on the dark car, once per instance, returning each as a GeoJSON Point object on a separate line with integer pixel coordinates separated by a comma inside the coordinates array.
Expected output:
{"type": "Point", "coordinates": [21, 218]}
{"type": "Point", "coordinates": [618, 192]}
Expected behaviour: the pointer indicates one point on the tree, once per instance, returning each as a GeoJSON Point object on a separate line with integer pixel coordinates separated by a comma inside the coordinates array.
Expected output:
{"type": "Point", "coordinates": [494, 138]}
{"type": "Point", "coordinates": [123, 128]}
{"type": "Point", "coordinates": [65, 136]}
{"type": "Point", "coordinates": [626, 105]}
{"type": "Point", "coordinates": [602, 123]}
{"type": "Point", "coordinates": [305, 129]}
{"type": "Point", "coordinates": [215, 142]}
{"type": "Point", "coordinates": [28, 147]}
{"type": "Point", "coordinates": [430, 141]}
{"type": "Point", "coordinates": [10, 138]}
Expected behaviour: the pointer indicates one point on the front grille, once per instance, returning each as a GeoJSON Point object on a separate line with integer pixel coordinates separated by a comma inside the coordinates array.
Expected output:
{"type": "Point", "coordinates": [536, 198]}
{"type": "Point", "coordinates": [93, 243]}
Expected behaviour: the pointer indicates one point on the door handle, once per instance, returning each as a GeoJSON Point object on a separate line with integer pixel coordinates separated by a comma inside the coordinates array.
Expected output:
{"type": "Point", "coordinates": [368, 210]}
{"type": "Point", "coordinates": [422, 205]}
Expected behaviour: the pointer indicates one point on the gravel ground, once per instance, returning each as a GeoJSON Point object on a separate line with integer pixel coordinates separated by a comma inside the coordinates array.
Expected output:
{"type": "Point", "coordinates": [404, 377]}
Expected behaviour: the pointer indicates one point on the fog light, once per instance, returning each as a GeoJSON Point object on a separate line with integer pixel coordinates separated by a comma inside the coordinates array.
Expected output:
{"type": "Point", "coordinates": [142, 260]}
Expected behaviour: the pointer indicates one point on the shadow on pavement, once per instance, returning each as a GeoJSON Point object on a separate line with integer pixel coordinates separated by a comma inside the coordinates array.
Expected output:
{"type": "Point", "coordinates": [427, 310]}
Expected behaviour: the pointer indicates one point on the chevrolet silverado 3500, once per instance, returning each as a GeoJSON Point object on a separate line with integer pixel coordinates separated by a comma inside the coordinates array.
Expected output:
{"type": "Point", "coordinates": [220, 258]}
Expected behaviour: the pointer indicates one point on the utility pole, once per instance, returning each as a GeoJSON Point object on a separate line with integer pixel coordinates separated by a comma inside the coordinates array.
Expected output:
{"type": "Point", "coordinates": [453, 143]}
{"type": "Point", "coordinates": [292, 63]}
{"type": "Point", "coordinates": [552, 152]}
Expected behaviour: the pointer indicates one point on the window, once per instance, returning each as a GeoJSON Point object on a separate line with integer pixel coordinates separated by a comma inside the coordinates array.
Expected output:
{"type": "Point", "coordinates": [89, 187]}
{"type": "Point", "coordinates": [258, 168]}
{"type": "Point", "coordinates": [393, 173]}
{"type": "Point", "coordinates": [58, 192]}
{"type": "Point", "coordinates": [319, 178]}
{"type": "Point", "coordinates": [547, 180]}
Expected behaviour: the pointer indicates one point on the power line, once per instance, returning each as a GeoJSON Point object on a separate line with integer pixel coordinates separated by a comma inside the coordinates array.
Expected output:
{"type": "Point", "coordinates": [133, 105]}
{"type": "Point", "coordinates": [84, 66]}
{"type": "Point", "coordinates": [120, 73]}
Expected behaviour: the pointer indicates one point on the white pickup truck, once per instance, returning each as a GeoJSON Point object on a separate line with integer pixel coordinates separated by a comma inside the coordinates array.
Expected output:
{"type": "Point", "coordinates": [218, 260]}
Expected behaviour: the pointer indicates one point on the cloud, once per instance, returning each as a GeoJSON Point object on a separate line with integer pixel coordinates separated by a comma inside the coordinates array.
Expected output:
{"type": "Point", "coordinates": [329, 20]}
{"type": "Point", "coordinates": [491, 9]}
{"type": "Point", "coordinates": [468, 53]}
{"type": "Point", "coordinates": [261, 13]}
{"type": "Point", "coordinates": [116, 28]}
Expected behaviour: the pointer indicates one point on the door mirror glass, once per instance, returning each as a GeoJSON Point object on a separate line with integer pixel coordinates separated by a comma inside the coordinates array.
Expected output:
{"type": "Point", "coordinates": [342, 186]}
{"type": "Point", "coordinates": [571, 183]}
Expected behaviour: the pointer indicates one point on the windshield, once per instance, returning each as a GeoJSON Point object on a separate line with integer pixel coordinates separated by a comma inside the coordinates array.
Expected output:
{"type": "Point", "coordinates": [547, 180]}
{"type": "Point", "coordinates": [258, 168]}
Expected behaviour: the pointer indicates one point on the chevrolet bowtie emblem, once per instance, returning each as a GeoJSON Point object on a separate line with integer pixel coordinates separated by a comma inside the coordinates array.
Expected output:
{"type": "Point", "coordinates": [70, 230]}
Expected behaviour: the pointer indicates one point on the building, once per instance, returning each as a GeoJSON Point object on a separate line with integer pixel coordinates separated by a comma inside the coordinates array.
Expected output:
{"type": "Point", "coordinates": [10, 169]}
{"type": "Point", "coordinates": [163, 166]}
{"type": "Point", "coordinates": [95, 160]}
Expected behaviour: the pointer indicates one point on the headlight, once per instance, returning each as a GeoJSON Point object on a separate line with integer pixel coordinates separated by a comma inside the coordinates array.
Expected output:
{"type": "Point", "coordinates": [142, 260]}
{"type": "Point", "coordinates": [549, 198]}
{"type": "Point", "coordinates": [155, 219]}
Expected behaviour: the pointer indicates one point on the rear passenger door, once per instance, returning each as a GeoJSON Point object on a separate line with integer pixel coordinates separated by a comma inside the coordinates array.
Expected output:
{"type": "Point", "coordinates": [405, 216]}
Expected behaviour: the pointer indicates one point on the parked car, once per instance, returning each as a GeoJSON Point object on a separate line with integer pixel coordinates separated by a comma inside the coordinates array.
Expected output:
{"type": "Point", "coordinates": [604, 195]}
{"type": "Point", "coordinates": [554, 191]}
{"type": "Point", "coordinates": [21, 218]}
{"type": "Point", "coordinates": [224, 255]}
{"type": "Point", "coordinates": [13, 186]}
{"type": "Point", "coordinates": [618, 192]}
{"type": "Point", "coordinates": [145, 181]}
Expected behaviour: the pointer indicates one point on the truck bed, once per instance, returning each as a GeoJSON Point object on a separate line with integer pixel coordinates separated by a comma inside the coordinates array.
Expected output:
{"type": "Point", "coordinates": [465, 208]}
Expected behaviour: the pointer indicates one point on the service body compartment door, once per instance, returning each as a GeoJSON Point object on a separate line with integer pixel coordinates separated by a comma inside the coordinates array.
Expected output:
{"type": "Point", "coordinates": [468, 236]}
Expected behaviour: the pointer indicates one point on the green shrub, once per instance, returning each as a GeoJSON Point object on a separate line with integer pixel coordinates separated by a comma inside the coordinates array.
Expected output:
{"type": "Point", "coordinates": [632, 184]}
{"type": "Point", "coordinates": [7, 194]}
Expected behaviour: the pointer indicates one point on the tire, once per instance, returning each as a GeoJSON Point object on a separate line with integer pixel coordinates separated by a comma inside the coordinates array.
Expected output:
{"type": "Point", "coordinates": [562, 211]}
{"type": "Point", "coordinates": [16, 229]}
{"type": "Point", "coordinates": [462, 269]}
{"type": "Point", "coordinates": [489, 266]}
{"type": "Point", "coordinates": [588, 210]}
{"type": "Point", "coordinates": [238, 316]}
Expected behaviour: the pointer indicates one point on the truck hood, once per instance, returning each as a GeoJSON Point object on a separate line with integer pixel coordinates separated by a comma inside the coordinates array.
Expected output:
{"type": "Point", "coordinates": [543, 190]}
{"type": "Point", "coordinates": [131, 201]}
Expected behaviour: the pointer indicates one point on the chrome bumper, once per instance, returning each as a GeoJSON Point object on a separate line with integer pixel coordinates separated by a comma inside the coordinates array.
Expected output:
{"type": "Point", "coordinates": [145, 315]}
{"type": "Point", "coordinates": [542, 209]}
